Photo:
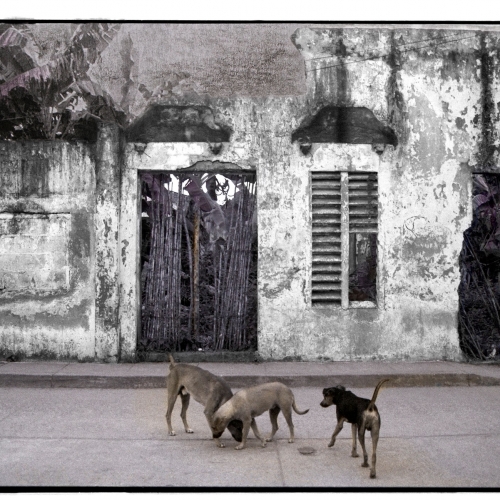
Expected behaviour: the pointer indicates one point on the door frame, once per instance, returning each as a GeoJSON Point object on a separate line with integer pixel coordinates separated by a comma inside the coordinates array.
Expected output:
{"type": "Point", "coordinates": [155, 157]}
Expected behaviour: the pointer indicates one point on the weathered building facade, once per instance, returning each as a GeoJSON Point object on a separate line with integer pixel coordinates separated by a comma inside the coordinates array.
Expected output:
{"type": "Point", "coordinates": [406, 115]}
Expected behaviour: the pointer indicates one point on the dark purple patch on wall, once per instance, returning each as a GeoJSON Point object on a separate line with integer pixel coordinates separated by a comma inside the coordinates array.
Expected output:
{"type": "Point", "coordinates": [479, 289]}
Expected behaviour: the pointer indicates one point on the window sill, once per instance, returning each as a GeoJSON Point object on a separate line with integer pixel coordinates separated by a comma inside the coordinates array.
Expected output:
{"type": "Point", "coordinates": [352, 305]}
{"type": "Point", "coordinates": [363, 305]}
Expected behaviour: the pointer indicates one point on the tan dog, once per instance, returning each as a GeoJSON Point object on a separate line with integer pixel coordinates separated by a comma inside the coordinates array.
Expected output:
{"type": "Point", "coordinates": [205, 387]}
{"type": "Point", "coordinates": [252, 402]}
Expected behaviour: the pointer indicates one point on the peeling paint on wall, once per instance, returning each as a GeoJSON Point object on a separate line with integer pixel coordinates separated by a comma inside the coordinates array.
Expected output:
{"type": "Point", "coordinates": [49, 220]}
{"type": "Point", "coordinates": [33, 254]}
{"type": "Point", "coordinates": [106, 223]}
{"type": "Point", "coordinates": [436, 90]}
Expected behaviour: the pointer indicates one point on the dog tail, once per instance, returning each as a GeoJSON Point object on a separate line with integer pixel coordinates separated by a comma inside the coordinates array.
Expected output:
{"type": "Point", "coordinates": [296, 410]}
{"type": "Point", "coordinates": [375, 394]}
{"type": "Point", "coordinates": [172, 360]}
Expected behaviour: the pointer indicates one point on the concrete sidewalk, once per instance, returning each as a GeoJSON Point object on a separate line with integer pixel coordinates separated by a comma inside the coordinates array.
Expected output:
{"type": "Point", "coordinates": [48, 374]}
{"type": "Point", "coordinates": [431, 437]}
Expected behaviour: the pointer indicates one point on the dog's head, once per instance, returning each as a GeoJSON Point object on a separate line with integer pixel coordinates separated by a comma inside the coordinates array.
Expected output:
{"type": "Point", "coordinates": [222, 418]}
{"type": "Point", "coordinates": [331, 395]}
{"type": "Point", "coordinates": [218, 426]}
{"type": "Point", "coordinates": [235, 427]}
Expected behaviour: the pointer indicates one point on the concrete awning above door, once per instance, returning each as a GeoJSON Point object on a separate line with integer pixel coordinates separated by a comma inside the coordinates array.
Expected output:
{"type": "Point", "coordinates": [165, 123]}
{"type": "Point", "coordinates": [348, 125]}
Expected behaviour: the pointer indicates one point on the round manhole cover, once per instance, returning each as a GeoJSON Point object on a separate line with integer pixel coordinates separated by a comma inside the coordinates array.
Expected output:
{"type": "Point", "coordinates": [306, 450]}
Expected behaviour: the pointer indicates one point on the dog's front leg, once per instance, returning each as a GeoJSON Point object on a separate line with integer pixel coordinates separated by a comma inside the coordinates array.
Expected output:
{"type": "Point", "coordinates": [255, 429]}
{"type": "Point", "coordinates": [244, 434]}
{"type": "Point", "coordinates": [354, 430]}
{"type": "Point", "coordinates": [218, 443]}
{"type": "Point", "coordinates": [338, 428]}
{"type": "Point", "coordinates": [208, 415]}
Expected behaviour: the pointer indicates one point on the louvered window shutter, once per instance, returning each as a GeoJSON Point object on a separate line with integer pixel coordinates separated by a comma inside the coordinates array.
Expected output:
{"type": "Point", "coordinates": [344, 220]}
{"type": "Point", "coordinates": [326, 238]}
{"type": "Point", "coordinates": [363, 202]}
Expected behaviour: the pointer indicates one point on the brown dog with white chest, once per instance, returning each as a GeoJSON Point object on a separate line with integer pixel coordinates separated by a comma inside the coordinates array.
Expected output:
{"type": "Point", "coordinates": [361, 413]}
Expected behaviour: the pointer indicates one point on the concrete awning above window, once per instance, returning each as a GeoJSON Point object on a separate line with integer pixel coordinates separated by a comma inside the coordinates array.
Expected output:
{"type": "Point", "coordinates": [162, 123]}
{"type": "Point", "coordinates": [348, 125]}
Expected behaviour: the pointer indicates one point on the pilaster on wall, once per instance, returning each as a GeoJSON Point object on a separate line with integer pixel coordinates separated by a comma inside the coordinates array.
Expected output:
{"type": "Point", "coordinates": [106, 224]}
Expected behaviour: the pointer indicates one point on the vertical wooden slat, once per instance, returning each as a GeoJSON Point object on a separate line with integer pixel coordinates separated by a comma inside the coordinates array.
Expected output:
{"type": "Point", "coordinates": [232, 262]}
{"type": "Point", "coordinates": [363, 202]}
{"type": "Point", "coordinates": [344, 225]}
{"type": "Point", "coordinates": [196, 275]}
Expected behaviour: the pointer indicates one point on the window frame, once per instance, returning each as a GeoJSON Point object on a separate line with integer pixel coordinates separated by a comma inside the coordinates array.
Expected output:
{"type": "Point", "coordinates": [345, 233]}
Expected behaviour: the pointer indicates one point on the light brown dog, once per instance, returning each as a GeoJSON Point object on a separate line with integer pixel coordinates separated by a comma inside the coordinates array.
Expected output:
{"type": "Point", "coordinates": [206, 388]}
{"type": "Point", "coordinates": [249, 403]}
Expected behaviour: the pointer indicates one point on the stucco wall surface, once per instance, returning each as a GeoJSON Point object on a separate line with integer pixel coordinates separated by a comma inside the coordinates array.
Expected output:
{"type": "Point", "coordinates": [78, 216]}
{"type": "Point", "coordinates": [47, 297]}
{"type": "Point", "coordinates": [436, 97]}
{"type": "Point", "coordinates": [434, 94]}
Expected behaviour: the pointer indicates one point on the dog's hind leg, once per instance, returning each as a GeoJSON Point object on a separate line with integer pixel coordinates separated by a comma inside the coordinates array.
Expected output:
{"type": "Point", "coordinates": [173, 390]}
{"type": "Point", "coordinates": [168, 416]}
{"type": "Point", "coordinates": [287, 413]}
{"type": "Point", "coordinates": [172, 396]}
{"type": "Point", "coordinates": [374, 433]}
{"type": "Point", "coordinates": [185, 404]}
{"type": "Point", "coordinates": [338, 428]}
{"type": "Point", "coordinates": [361, 436]}
{"type": "Point", "coordinates": [354, 430]}
{"type": "Point", "coordinates": [273, 415]}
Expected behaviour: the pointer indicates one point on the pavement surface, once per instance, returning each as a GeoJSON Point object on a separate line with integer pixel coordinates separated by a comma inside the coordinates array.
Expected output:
{"type": "Point", "coordinates": [294, 374]}
{"type": "Point", "coordinates": [75, 425]}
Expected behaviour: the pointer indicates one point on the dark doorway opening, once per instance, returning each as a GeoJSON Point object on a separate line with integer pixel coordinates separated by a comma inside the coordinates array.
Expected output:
{"type": "Point", "coordinates": [198, 262]}
{"type": "Point", "coordinates": [479, 289]}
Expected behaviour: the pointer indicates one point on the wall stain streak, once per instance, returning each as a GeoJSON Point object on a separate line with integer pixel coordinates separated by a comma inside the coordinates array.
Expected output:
{"type": "Point", "coordinates": [487, 148]}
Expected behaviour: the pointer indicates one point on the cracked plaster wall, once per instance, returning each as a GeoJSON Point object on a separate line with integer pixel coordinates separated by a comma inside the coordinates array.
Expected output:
{"type": "Point", "coordinates": [436, 100]}
{"type": "Point", "coordinates": [441, 101]}
{"type": "Point", "coordinates": [47, 298]}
